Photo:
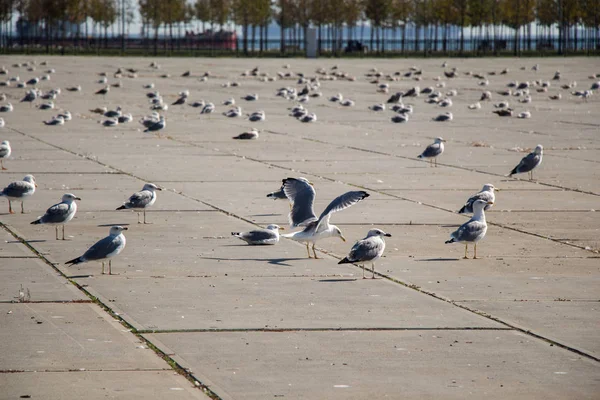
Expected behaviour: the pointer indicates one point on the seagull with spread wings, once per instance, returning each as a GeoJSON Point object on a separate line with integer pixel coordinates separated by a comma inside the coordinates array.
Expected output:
{"type": "Point", "coordinates": [301, 194]}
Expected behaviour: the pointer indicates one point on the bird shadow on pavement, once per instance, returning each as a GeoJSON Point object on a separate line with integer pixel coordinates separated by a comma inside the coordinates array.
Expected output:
{"type": "Point", "coordinates": [338, 280]}
{"type": "Point", "coordinates": [274, 261]}
{"type": "Point", "coordinates": [28, 241]}
{"type": "Point", "coordinates": [108, 225]}
{"type": "Point", "coordinates": [438, 259]}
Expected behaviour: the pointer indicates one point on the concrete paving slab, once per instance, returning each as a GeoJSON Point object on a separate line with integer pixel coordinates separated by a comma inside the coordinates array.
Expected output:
{"type": "Point", "coordinates": [62, 337]}
{"type": "Point", "coordinates": [275, 303]}
{"type": "Point", "coordinates": [357, 365]}
{"type": "Point", "coordinates": [568, 322]}
{"type": "Point", "coordinates": [12, 248]}
{"type": "Point", "coordinates": [97, 385]}
{"type": "Point", "coordinates": [37, 280]}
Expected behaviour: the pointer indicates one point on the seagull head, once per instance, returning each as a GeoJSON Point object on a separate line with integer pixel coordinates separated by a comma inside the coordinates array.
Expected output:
{"type": "Point", "coordinates": [488, 187]}
{"type": "Point", "coordinates": [151, 187]}
{"type": "Point", "coordinates": [5, 143]}
{"type": "Point", "coordinates": [30, 179]}
{"type": "Point", "coordinates": [439, 140]}
{"type": "Point", "coordinates": [479, 205]}
{"type": "Point", "coordinates": [378, 232]}
{"type": "Point", "coordinates": [274, 227]}
{"type": "Point", "coordinates": [69, 198]}
{"type": "Point", "coordinates": [337, 232]}
{"type": "Point", "coordinates": [538, 149]}
{"type": "Point", "coordinates": [117, 230]}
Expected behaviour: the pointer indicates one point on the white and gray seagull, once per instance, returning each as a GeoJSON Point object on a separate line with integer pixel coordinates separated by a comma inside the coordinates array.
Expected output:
{"type": "Point", "coordinates": [529, 162]}
{"type": "Point", "coordinates": [369, 249]}
{"type": "Point", "coordinates": [260, 236]}
{"type": "Point", "coordinates": [473, 230]}
{"type": "Point", "coordinates": [302, 196]}
{"type": "Point", "coordinates": [104, 249]}
{"type": "Point", "coordinates": [5, 152]}
{"type": "Point", "coordinates": [19, 191]}
{"type": "Point", "coordinates": [486, 194]}
{"type": "Point", "coordinates": [433, 151]}
{"type": "Point", "coordinates": [141, 200]}
{"type": "Point", "coordinates": [60, 214]}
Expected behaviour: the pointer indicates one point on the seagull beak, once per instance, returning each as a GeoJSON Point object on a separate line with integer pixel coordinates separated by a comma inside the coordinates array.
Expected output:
{"type": "Point", "coordinates": [78, 198]}
{"type": "Point", "coordinates": [281, 229]}
{"type": "Point", "coordinates": [490, 202]}
{"type": "Point", "coordinates": [35, 184]}
{"type": "Point", "coordinates": [388, 235]}
{"type": "Point", "coordinates": [125, 228]}
{"type": "Point", "coordinates": [496, 189]}
{"type": "Point", "coordinates": [311, 184]}
{"type": "Point", "coordinates": [159, 188]}
{"type": "Point", "coordinates": [343, 238]}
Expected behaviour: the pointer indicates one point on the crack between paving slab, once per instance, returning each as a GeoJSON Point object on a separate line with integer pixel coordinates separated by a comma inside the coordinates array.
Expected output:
{"type": "Point", "coordinates": [276, 330]}
{"type": "Point", "coordinates": [11, 371]}
{"type": "Point", "coordinates": [414, 287]}
{"type": "Point", "coordinates": [93, 299]}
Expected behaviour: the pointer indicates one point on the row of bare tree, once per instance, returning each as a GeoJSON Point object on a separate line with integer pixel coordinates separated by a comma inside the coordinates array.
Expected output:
{"type": "Point", "coordinates": [432, 22]}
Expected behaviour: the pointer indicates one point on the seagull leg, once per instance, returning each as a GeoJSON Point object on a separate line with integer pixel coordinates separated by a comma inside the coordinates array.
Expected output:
{"type": "Point", "coordinates": [10, 210]}
{"type": "Point", "coordinates": [475, 252]}
{"type": "Point", "coordinates": [22, 209]}
{"type": "Point", "coordinates": [102, 267]}
{"type": "Point", "coordinates": [110, 267]}
{"type": "Point", "coordinates": [138, 218]}
{"type": "Point", "coordinates": [145, 218]}
{"type": "Point", "coordinates": [363, 268]}
{"type": "Point", "coordinates": [314, 251]}
{"type": "Point", "coordinates": [373, 270]}
{"type": "Point", "coordinates": [63, 232]}
{"type": "Point", "coordinates": [465, 257]}
{"type": "Point", "coordinates": [308, 250]}
{"type": "Point", "coordinates": [435, 159]}
{"type": "Point", "coordinates": [56, 231]}
{"type": "Point", "coordinates": [2, 163]}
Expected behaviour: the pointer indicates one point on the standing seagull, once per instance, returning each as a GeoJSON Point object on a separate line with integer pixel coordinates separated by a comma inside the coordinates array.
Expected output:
{"type": "Point", "coordinates": [5, 151]}
{"type": "Point", "coordinates": [141, 200]}
{"type": "Point", "coordinates": [369, 249]}
{"type": "Point", "coordinates": [302, 196]}
{"type": "Point", "coordinates": [60, 214]}
{"type": "Point", "coordinates": [157, 126]}
{"type": "Point", "coordinates": [19, 191]}
{"type": "Point", "coordinates": [104, 249]}
{"type": "Point", "coordinates": [529, 162]}
{"type": "Point", "coordinates": [433, 151]}
{"type": "Point", "coordinates": [486, 194]}
{"type": "Point", "coordinates": [474, 230]}
{"type": "Point", "coordinates": [260, 237]}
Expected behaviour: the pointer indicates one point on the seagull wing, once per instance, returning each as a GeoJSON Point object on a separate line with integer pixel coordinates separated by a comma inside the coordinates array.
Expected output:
{"type": "Point", "coordinates": [340, 203]}
{"type": "Point", "coordinates": [302, 196]}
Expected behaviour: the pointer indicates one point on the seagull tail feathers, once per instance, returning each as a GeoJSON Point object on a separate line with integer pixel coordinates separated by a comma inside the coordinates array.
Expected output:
{"type": "Point", "coordinates": [463, 210]}
{"type": "Point", "coordinates": [37, 221]}
{"type": "Point", "coordinates": [345, 261]}
{"type": "Point", "coordinates": [236, 234]}
{"type": "Point", "coordinates": [75, 261]}
{"type": "Point", "coordinates": [450, 241]}
{"type": "Point", "coordinates": [122, 207]}
{"type": "Point", "coordinates": [420, 156]}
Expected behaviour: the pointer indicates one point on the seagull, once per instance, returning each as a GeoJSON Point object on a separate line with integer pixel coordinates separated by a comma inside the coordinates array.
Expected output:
{"type": "Point", "coordinates": [30, 96]}
{"type": "Point", "coordinates": [433, 151]}
{"type": "Point", "coordinates": [377, 107]}
{"type": "Point", "coordinates": [6, 108]}
{"type": "Point", "coordinates": [312, 117]}
{"type": "Point", "coordinates": [60, 214]}
{"type": "Point", "coordinates": [414, 92]}
{"type": "Point", "coordinates": [150, 120]}
{"type": "Point", "coordinates": [369, 249]}
{"type": "Point", "coordinates": [556, 97]}
{"type": "Point", "coordinates": [474, 230]}
{"type": "Point", "coordinates": [257, 116]}
{"type": "Point", "coordinates": [249, 135]}
{"type": "Point", "coordinates": [141, 200]}
{"type": "Point", "coordinates": [505, 112]}
{"type": "Point", "coordinates": [104, 91]}
{"type": "Point", "coordinates": [234, 112]}
{"type": "Point", "coordinates": [524, 115]}
{"type": "Point", "coordinates": [529, 162]}
{"type": "Point", "coordinates": [260, 237]}
{"type": "Point", "coordinates": [486, 194]}
{"type": "Point", "coordinates": [99, 110]}
{"type": "Point", "coordinates": [104, 249]}
{"type": "Point", "coordinates": [125, 118]}
{"type": "Point", "coordinates": [445, 103]}
{"type": "Point", "coordinates": [302, 195]}
{"type": "Point", "coordinates": [157, 126]}
{"type": "Point", "coordinates": [475, 106]}
{"type": "Point", "coordinates": [444, 117]}
{"type": "Point", "coordinates": [337, 98]}
{"type": "Point", "coordinates": [66, 115]}
{"type": "Point", "coordinates": [229, 102]}
{"type": "Point", "coordinates": [347, 103]}
{"type": "Point", "coordinates": [74, 88]}
{"type": "Point", "coordinates": [251, 97]}
{"type": "Point", "coordinates": [487, 95]}
{"type": "Point", "coordinates": [395, 98]}
{"type": "Point", "coordinates": [180, 101]}
{"type": "Point", "coordinates": [57, 120]}
{"type": "Point", "coordinates": [400, 118]}
{"type": "Point", "coordinates": [110, 122]}
{"type": "Point", "coordinates": [5, 151]}
{"type": "Point", "coordinates": [46, 106]}
{"type": "Point", "coordinates": [19, 191]}
{"type": "Point", "coordinates": [209, 108]}
{"type": "Point", "coordinates": [197, 104]}
{"type": "Point", "coordinates": [113, 113]}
